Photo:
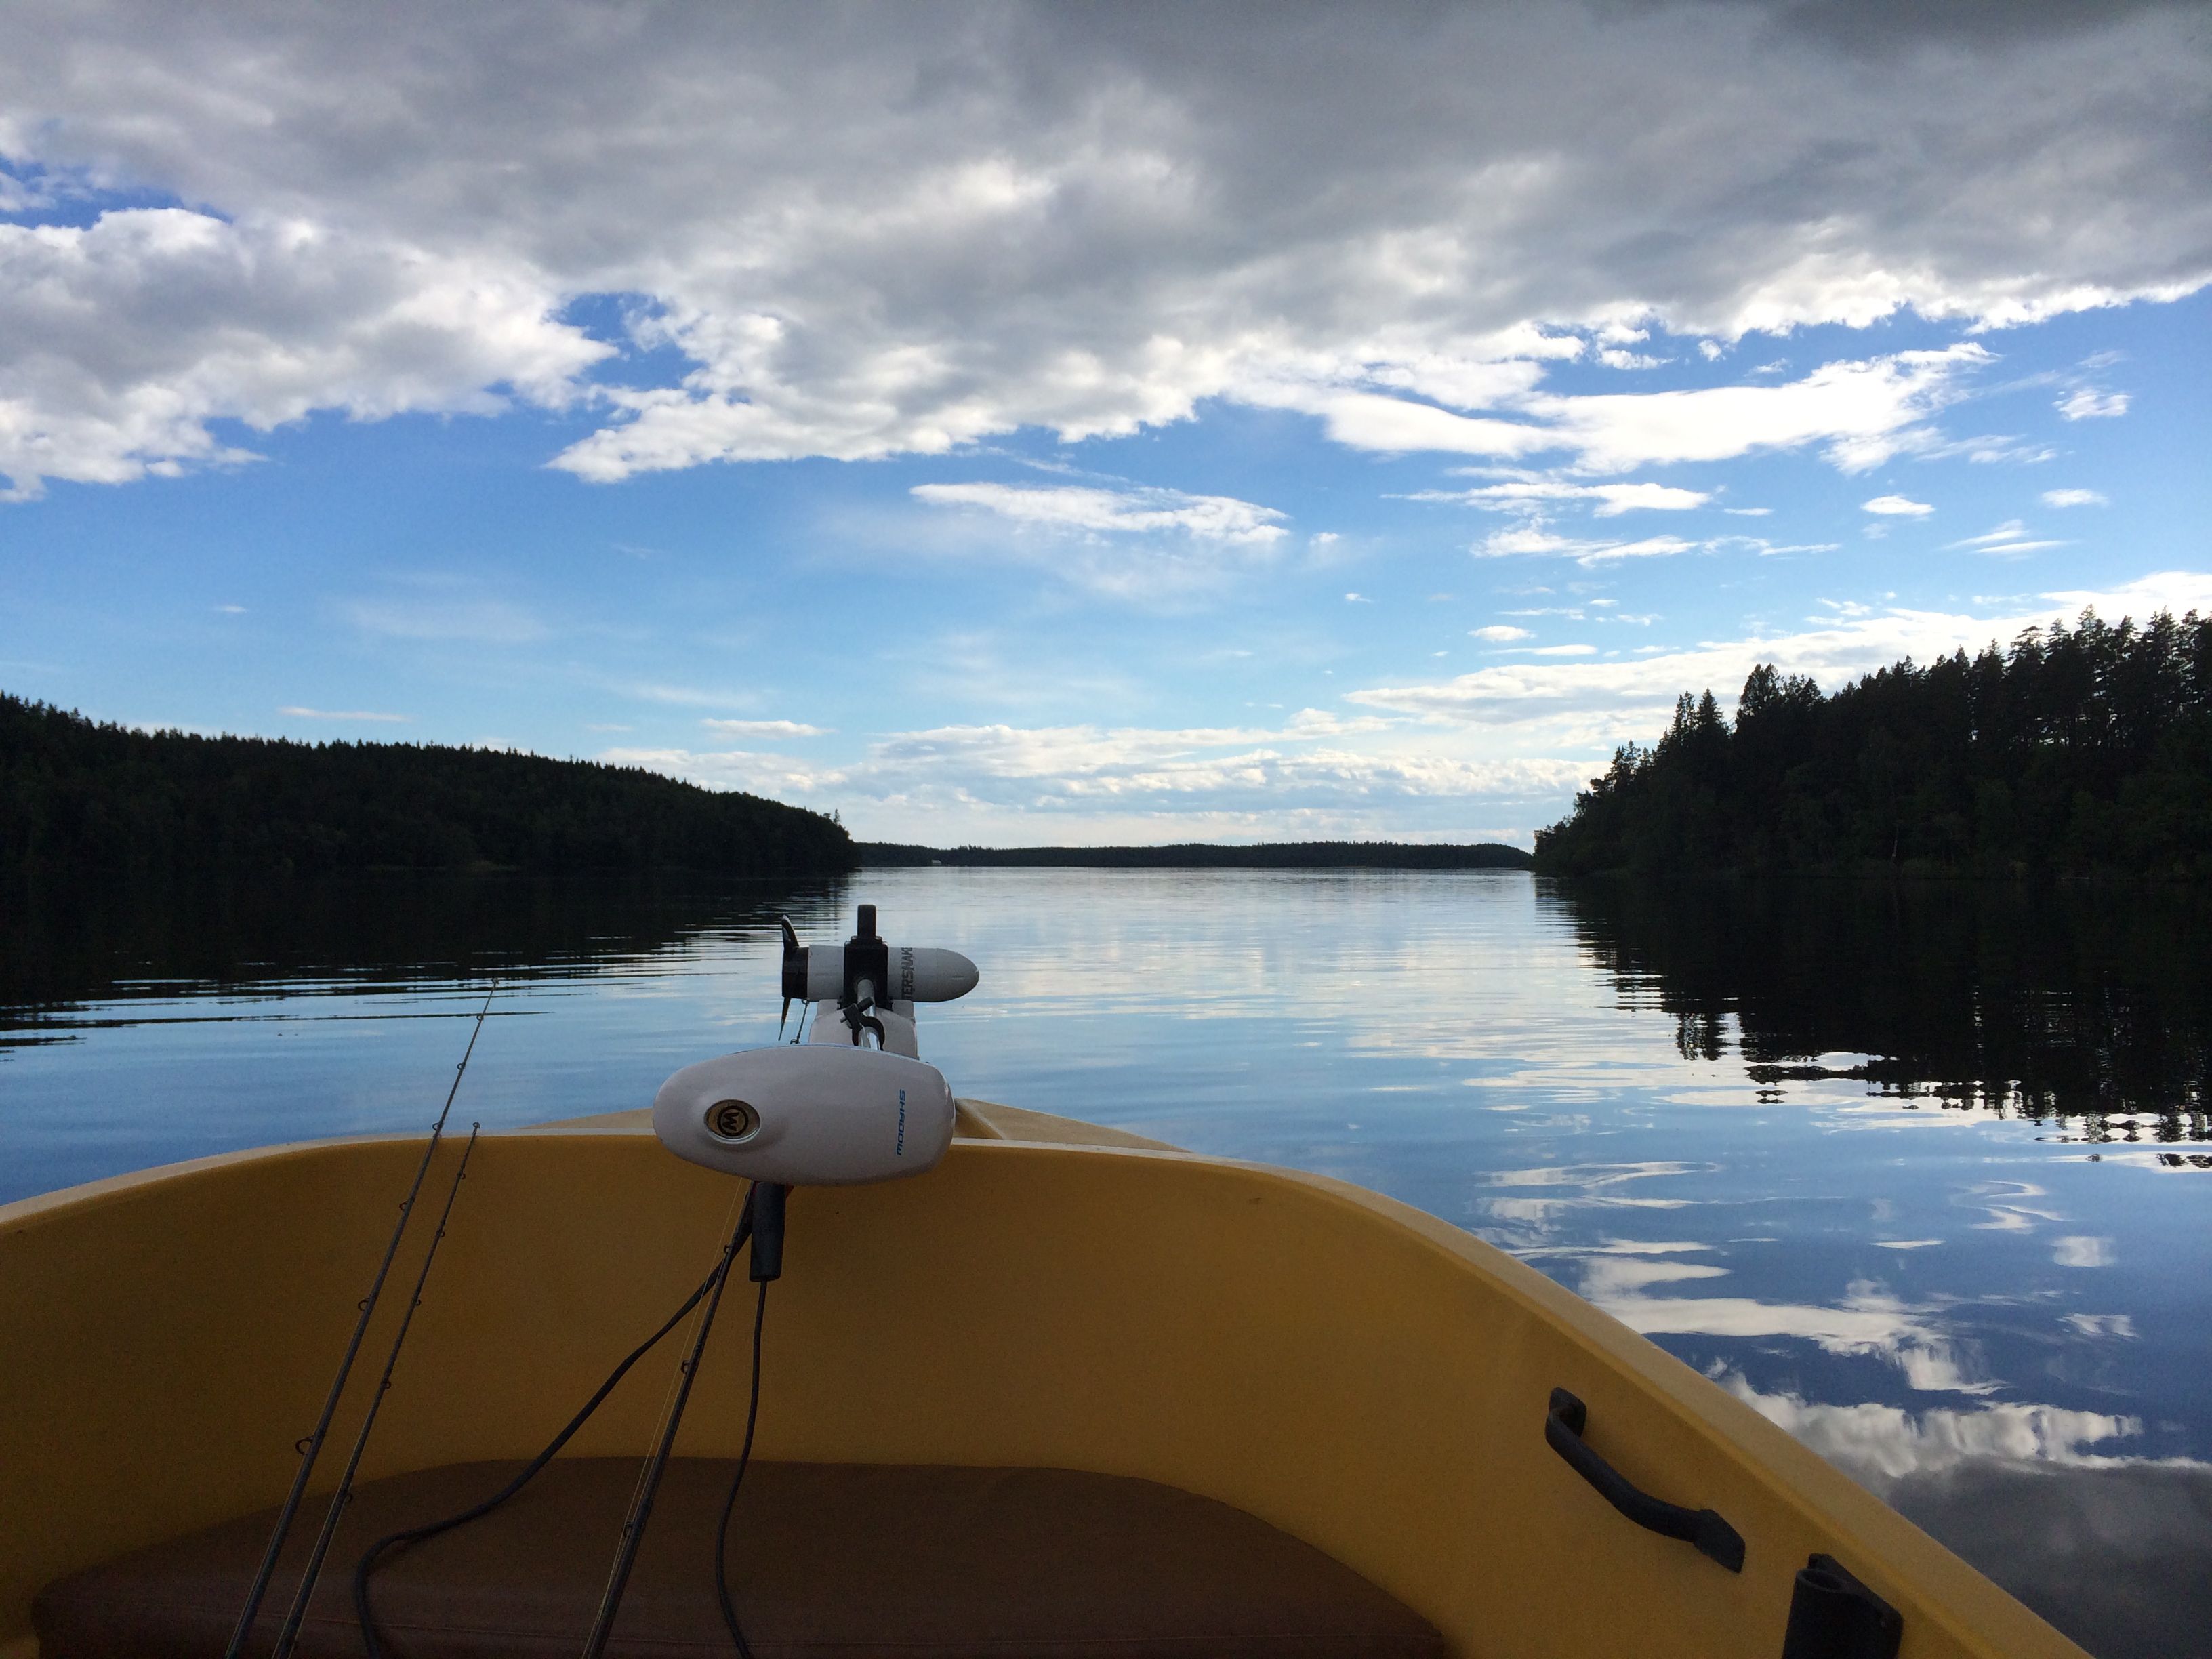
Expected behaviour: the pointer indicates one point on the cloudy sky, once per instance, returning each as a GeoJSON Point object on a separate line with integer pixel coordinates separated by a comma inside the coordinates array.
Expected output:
{"type": "Point", "coordinates": [1078, 423]}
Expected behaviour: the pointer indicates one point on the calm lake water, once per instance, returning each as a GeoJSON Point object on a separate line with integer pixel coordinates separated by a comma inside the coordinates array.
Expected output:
{"type": "Point", "coordinates": [1922, 1172]}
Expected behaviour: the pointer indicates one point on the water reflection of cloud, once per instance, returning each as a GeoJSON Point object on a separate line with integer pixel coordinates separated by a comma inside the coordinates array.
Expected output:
{"type": "Point", "coordinates": [1869, 1322]}
{"type": "Point", "coordinates": [1997, 1200]}
{"type": "Point", "coordinates": [1593, 1175]}
{"type": "Point", "coordinates": [1612, 1278]}
{"type": "Point", "coordinates": [1878, 1443]}
{"type": "Point", "coordinates": [2082, 1252]}
{"type": "Point", "coordinates": [2122, 1326]}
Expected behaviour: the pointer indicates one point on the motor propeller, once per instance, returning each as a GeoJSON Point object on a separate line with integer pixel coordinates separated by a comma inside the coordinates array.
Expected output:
{"type": "Point", "coordinates": [791, 949]}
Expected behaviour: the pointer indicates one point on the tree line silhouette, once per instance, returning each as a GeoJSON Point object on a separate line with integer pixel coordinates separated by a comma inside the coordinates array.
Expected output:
{"type": "Point", "coordinates": [77, 794]}
{"type": "Point", "coordinates": [2076, 750]}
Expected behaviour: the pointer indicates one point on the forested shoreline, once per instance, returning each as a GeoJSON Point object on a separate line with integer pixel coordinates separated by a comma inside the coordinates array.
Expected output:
{"type": "Point", "coordinates": [1208, 855]}
{"type": "Point", "coordinates": [2074, 751]}
{"type": "Point", "coordinates": [77, 794]}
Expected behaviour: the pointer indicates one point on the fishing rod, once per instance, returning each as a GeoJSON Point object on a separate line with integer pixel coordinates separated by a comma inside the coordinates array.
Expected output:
{"type": "Point", "coordinates": [762, 1221]}
{"type": "Point", "coordinates": [288, 1636]}
{"type": "Point", "coordinates": [311, 1447]}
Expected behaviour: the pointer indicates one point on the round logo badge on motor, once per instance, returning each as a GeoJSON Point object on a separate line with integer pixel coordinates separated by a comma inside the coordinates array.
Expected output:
{"type": "Point", "coordinates": [732, 1120]}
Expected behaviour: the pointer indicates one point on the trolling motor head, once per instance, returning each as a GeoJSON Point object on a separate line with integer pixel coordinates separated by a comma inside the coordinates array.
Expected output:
{"type": "Point", "coordinates": [836, 1111]}
{"type": "Point", "coordinates": [816, 1115]}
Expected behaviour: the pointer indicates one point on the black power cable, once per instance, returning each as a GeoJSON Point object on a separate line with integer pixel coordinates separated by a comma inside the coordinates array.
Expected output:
{"type": "Point", "coordinates": [648, 1484]}
{"type": "Point", "coordinates": [730, 1504]}
{"type": "Point", "coordinates": [372, 1557]}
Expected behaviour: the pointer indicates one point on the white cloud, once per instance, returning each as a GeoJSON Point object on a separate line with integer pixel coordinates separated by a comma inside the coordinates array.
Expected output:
{"type": "Point", "coordinates": [1531, 537]}
{"type": "Point", "coordinates": [1897, 506]}
{"type": "Point", "coordinates": [1147, 547]}
{"type": "Point", "coordinates": [2091, 405]}
{"type": "Point", "coordinates": [1123, 512]}
{"type": "Point", "coordinates": [1863, 412]}
{"type": "Point", "coordinates": [2008, 539]}
{"type": "Point", "coordinates": [121, 341]}
{"type": "Point", "coordinates": [1498, 633]}
{"type": "Point", "coordinates": [764, 729]}
{"type": "Point", "coordinates": [298, 712]}
{"type": "Point", "coordinates": [930, 227]}
{"type": "Point", "coordinates": [2074, 498]}
{"type": "Point", "coordinates": [1611, 498]}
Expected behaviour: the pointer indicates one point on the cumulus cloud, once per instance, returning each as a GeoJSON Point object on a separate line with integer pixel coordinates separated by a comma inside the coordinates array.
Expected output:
{"type": "Point", "coordinates": [865, 233]}
{"type": "Point", "coordinates": [1500, 633]}
{"type": "Point", "coordinates": [121, 341]}
{"type": "Point", "coordinates": [1897, 507]}
{"type": "Point", "coordinates": [2074, 498]}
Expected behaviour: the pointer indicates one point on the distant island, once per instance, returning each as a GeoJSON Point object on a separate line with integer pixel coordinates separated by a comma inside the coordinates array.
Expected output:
{"type": "Point", "coordinates": [1204, 856]}
{"type": "Point", "coordinates": [2074, 752]}
{"type": "Point", "coordinates": [76, 794]}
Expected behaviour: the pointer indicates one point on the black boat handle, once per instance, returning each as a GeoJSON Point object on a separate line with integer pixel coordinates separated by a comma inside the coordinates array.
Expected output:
{"type": "Point", "coordinates": [1712, 1537]}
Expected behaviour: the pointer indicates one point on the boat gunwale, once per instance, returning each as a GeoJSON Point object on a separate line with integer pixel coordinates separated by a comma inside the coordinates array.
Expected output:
{"type": "Point", "coordinates": [1887, 1550]}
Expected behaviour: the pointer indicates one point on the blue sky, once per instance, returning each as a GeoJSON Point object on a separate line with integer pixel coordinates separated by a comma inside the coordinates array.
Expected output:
{"type": "Point", "coordinates": [1038, 426]}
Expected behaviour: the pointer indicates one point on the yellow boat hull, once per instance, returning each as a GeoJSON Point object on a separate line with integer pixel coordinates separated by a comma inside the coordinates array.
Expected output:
{"type": "Point", "coordinates": [1360, 1375]}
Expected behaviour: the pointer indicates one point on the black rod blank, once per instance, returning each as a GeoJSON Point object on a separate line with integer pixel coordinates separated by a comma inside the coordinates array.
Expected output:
{"type": "Point", "coordinates": [312, 1445]}
{"type": "Point", "coordinates": [288, 1636]}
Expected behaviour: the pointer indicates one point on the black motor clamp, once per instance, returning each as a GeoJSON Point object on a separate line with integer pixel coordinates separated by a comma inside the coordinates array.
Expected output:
{"type": "Point", "coordinates": [1833, 1616]}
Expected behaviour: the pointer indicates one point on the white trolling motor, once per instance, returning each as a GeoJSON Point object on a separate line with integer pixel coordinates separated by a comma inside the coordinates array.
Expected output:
{"type": "Point", "coordinates": [835, 1110]}
{"type": "Point", "coordinates": [832, 1112]}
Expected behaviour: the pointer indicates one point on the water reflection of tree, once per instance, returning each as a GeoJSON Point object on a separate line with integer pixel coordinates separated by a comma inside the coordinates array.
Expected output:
{"type": "Point", "coordinates": [2085, 1002]}
{"type": "Point", "coordinates": [88, 935]}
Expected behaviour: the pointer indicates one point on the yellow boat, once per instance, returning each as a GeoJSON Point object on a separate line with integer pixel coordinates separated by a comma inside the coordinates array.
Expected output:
{"type": "Point", "coordinates": [1289, 1415]}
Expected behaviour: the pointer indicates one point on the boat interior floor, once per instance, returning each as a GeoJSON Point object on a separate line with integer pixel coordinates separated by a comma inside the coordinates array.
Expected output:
{"type": "Point", "coordinates": [825, 1560]}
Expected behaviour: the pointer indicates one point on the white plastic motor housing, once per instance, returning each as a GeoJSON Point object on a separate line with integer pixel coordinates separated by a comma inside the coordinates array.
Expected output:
{"type": "Point", "coordinates": [804, 1115]}
{"type": "Point", "coordinates": [918, 973]}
